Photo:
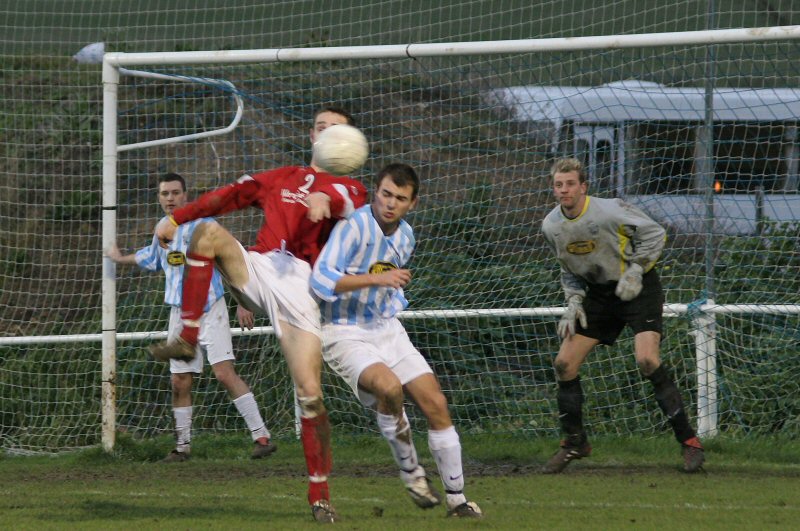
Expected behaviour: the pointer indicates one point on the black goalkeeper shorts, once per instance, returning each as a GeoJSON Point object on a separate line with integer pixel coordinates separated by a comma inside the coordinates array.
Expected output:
{"type": "Point", "coordinates": [607, 315]}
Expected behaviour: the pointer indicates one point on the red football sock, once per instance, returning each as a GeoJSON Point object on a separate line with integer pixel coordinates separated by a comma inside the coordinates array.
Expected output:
{"type": "Point", "coordinates": [196, 281]}
{"type": "Point", "coordinates": [316, 436]}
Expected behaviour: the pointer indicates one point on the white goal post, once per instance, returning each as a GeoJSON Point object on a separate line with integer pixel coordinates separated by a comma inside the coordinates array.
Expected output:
{"type": "Point", "coordinates": [703, 315]}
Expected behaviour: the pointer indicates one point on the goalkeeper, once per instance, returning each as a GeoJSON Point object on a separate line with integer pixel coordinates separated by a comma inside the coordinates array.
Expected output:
{"type": "Point", "coordinates": [607, 250]}
{"type": "Point", "coordinates": [215, 341]}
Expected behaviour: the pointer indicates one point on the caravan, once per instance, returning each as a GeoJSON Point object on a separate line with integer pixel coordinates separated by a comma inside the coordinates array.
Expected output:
{"type": "Point", "coordinates": [640, 140]}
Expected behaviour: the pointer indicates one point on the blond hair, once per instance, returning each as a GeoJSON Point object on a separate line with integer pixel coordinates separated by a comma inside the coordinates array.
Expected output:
{"type": "Point", "coordinates": [566, 165]}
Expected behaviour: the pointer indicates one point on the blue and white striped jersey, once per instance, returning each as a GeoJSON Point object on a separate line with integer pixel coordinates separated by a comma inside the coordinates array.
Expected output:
{"type": "Point", "coordinates": [356, 246]}
{"type": "Point", "coordinates": [171, 260]}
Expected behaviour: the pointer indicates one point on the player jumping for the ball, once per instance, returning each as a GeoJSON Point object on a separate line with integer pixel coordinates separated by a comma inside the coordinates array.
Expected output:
{"type": "Point", "coordinates": [607, 250]}
{"type": "Point", "coordinates": [359, 278]}
{"type": "Point", "coordinates": [300, 204]}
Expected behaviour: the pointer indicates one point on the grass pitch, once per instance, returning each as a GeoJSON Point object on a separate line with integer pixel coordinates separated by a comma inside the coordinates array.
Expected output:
{"type": "Point", "coordinates": [627, 483]}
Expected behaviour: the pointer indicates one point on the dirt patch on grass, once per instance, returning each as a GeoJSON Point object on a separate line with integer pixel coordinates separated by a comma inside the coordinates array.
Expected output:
{"type": "Point", "coordinates": [201, 470]}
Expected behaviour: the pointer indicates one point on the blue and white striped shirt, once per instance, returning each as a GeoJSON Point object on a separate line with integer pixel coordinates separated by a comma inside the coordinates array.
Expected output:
{"type": "Point", "coordinates": [358, 246]}
{"type": "Point", "coordinates": [154, 258]}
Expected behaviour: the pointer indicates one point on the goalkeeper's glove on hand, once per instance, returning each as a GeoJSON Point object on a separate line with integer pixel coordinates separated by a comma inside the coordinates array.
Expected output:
{"type": "Point", "coordinates": [630, 283]}
{"type": "Point", "coordinates": [566, 326]}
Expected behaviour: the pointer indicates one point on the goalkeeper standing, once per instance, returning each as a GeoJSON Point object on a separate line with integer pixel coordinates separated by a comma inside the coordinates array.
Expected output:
{"type": "Point", "coordinates": [607, 250]}
{"type": "Point", "coordinates": [215, 342]}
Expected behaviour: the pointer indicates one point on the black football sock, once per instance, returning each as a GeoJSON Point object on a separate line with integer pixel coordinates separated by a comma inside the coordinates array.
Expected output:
{"type": "Point", "coordinates": [570, 411]}
{"type": "Point", "coordinates": [669, 400]}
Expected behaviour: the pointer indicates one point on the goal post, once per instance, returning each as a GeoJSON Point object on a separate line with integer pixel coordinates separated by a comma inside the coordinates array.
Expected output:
{"type": "Point", "coordinates": [485, 291]}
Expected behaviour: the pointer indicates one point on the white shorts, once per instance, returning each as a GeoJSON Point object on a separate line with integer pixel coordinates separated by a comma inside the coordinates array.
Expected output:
{"type": "Point", "coordinates": [349, 349]}
{"type": "Point", "coordinates": [214, 341]}
{"type": "Point", "coordinates": [279, 286]}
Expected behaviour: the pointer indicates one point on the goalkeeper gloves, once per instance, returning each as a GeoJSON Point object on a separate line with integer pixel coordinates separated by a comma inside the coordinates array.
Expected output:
{"type": "Point", "coordinates": [566, 326]}
{"type": "Point", "coordinates": [630, 283]}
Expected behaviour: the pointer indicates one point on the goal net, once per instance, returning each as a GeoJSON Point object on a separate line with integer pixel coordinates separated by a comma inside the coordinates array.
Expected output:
{"type": "Point", "coordinates": [702, 136]}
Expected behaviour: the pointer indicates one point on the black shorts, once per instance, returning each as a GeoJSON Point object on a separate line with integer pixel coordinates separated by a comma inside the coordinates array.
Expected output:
{"type": "Point", "coordinates": [607, 315]}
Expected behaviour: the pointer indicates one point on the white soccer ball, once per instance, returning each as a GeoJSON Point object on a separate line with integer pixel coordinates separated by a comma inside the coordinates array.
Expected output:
{"type": "Point", "coordinates": [340, 149]}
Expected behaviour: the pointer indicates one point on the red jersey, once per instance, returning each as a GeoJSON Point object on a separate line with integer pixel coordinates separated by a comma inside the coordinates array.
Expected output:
{"type": "Point", "coordinates": [281, 195]}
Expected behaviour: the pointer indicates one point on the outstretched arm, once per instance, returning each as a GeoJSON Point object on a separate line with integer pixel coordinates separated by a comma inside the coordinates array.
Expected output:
{"type": "Point", "coordinates": [118, 258]}
{"type": "Point", "coordinates": [235, 196]}
{"type": "Point", "coordinates": [146, 258]}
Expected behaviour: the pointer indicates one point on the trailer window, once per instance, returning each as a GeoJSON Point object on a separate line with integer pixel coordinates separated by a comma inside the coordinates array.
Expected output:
{"type": "Point", "coordinates": [603, 163]}
{"type": "Point", "coordinates": [749, 155]}
{"type": "Point", "coordinates": [663, 158]}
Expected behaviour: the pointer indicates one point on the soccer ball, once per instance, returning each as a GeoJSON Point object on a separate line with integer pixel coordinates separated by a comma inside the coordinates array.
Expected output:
{"type": "Point", "coordinates": [340, 149]}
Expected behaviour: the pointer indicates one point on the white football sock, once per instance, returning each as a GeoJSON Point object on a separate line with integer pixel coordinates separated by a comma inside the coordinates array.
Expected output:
{"type": "Point", "coordinates": [248, 409]}
{"type": "Point", "coordinates": [401, 442]}
{"type": "Point", "coordinates": [446, 449]}
{"type": "Point", "coordinates": [183, 428]}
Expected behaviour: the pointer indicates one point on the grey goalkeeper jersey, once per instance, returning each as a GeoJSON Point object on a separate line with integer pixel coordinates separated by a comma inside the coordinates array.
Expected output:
{"type": "Point", "coordinates": [598, 246]}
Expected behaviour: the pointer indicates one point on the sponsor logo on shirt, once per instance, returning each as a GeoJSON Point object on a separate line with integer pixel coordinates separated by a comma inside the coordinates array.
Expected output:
{"type": "Point", "coordinates": [176, 258]}
{"type": "Point", "coordinates": [581, 247]}
{"type": "Point", "coordinates": [381, 267]}
{"type": "Point", "coordinates": [288, 196]}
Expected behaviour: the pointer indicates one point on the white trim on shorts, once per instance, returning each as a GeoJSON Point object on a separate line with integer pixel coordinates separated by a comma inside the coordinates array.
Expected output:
{"type": "Point", "coordinates": [278, 285]}
{"type": "Point", "coordinates": [214, 341]}
{"type": "Point", "coordinates": [349, 349]}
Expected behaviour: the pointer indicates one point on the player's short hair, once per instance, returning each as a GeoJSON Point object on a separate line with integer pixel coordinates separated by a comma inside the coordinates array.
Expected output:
{"type": "Point", "coordinates": [567, 165]}
{"type": "Point", "coordinates": [336, 110]}
{"type": "Point", "coordinates": [172, 177]}
{"type": "Point", "coordinates": [401, 175]}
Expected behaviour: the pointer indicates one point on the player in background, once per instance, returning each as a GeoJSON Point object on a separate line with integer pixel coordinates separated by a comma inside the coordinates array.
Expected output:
{"type": "Point", "coordinates": [214, 342]}
{"type": "Point", "coordinates": [301, 204]}
{"type": "Point", "coordinates": [359, 278]}
{"type": "Point", "coordinates": [607, 250]}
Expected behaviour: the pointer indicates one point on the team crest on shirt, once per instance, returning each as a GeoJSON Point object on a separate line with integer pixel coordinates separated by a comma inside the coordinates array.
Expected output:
{"type": "Point", "coordinates": [176, 258]}
{"type": "Point", "coordinates": [381, 267]}
{"type": "Point", "coordinates": [581, 247]}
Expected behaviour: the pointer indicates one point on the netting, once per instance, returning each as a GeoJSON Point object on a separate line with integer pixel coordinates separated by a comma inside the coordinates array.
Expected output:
{"type": "Point", "coordinates": [485, 192]}
{"type": "Point", "coordinates": [468, 128]}
{"type": "Point", "coordinates": [47, 26]}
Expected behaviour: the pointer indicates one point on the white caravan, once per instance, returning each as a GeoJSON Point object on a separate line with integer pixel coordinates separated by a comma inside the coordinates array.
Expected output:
{"type": "Point", "coordinates": [640, 140]}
